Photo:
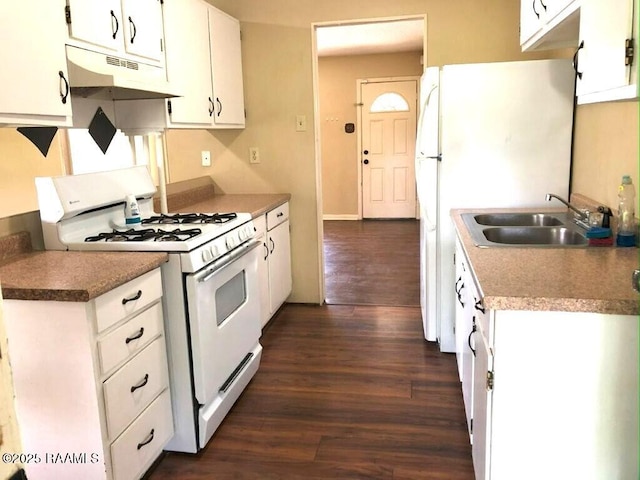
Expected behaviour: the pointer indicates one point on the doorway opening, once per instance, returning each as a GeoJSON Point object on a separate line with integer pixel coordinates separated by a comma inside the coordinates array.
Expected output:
{"type": "Point", "coordinates": [345, 54]}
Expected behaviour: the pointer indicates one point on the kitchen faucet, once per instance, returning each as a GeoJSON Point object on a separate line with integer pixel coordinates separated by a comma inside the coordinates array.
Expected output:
{"type": "Point", "coordinates": [584, 215]}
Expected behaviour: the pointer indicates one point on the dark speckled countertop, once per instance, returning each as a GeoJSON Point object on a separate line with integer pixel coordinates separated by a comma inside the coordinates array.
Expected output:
{"type": "Point", "coordinates": [67, 276]}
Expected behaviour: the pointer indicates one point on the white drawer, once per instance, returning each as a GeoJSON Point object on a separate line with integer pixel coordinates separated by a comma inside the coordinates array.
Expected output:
{"type": "Point", "coordinates": [128, 391]}
{"type": "Point", "coordinates": [124, 300]}
{"type": "Point", "coordinates": [138, 447]}
{"type": "Point", "coordinates": [261, 225]}
{"type": "Point", "coordinates": [130, 338]}
{"type": "Point", "coordinates": [278, 215]}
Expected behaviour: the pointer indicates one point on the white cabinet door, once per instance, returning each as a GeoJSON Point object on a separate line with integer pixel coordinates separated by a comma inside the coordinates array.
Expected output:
{"type": "Point", "coordinates": [34, 79]}
{"type": "Point", "coordinates": [124, 27]}
{"type": "Point", "coordinates": [279, 265]}
{"type": "Point", "coordinates": [482, 396]}
{"type": "Point", "coordinates": [186, 29]}
{"type": "Point", "coordinates": [605, 71]}
{"type": "Point", "coordinates": [142, 27]}
{"type": "Point", "coordinates": [532, 17]}
{"type": "Point", "coordinates": [98, 22]}
{"type": "Point", "coordinates": [226, 68]}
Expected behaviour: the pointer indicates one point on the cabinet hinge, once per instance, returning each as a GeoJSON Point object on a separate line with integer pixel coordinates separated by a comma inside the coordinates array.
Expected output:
{"type": "Point", "coordinates": [471, 425]}
{"type": "Point", "coordinates": [489, 380]}
{"type": "Point", "coordinates": [628, 51]}
{"type": "Point", "coordinates": [454, 258]}
{"type": "Point", "coordinates": [161, 46]}
{"type": "Point", "coordinates": [169, 107]}
{"type": "Point", "coordinates": [67, 14]}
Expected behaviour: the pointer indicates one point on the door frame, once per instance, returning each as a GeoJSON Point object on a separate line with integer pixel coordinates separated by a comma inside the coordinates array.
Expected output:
{"type": "Point", "coordinates": [359, 104]}
{"type": "Point", "coordinates": [316, 124]}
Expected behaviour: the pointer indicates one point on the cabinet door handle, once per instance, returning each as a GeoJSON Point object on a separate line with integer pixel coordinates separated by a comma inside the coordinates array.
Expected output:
{"type": "Point", "coordinates": [575, 60]}
{"type": "Point", "coordinates": [478, 305]}
{"type": "Point", "coordinates": [144, 381]}
{"type": "Point", "coordinates": [135, 336]}
{"type": "Point", "coordinates": [219, 106]}
{"type": "Point", "coordinates": [459, 291]}
{"type": "Point", "coordinates": [63, 94]}
{"type": "Point", "coordinates": [273, 245]}
{"type": "Point", "coordinates": [148, 440]}
{"type": "Point", "coordinates": [114, 22]}
{"type": "Point", "coordinates": [211, 107]}
{"type": "Point", "coordinates": [533, 5]}
{"type": "Point", "coordinates": [266, 250]}
{"type": "Point", "coordinates": [131, 299]}
{"type": "Point", "coordinates": [133, 29]}
{"type": "Point", "coordinates": [473, 330]}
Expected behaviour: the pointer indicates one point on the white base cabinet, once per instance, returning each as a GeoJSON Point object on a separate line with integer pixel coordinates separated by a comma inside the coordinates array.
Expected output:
{"type": "Point", "coordinates": [275, 266]}
{"type": "Point", "coordinates": [34, 80]}
{"type": "Point", "coordinates": [91, 382]}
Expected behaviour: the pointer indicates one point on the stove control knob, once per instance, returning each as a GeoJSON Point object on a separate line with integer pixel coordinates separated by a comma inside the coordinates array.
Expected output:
{"type": "Point", "coordinates": [206, 256]}
{"type": "Point", "coordinates": [242, 235]}
{"type": "Point", "coordinates": [214, 251]}
{"type": "Point", "coordinates": [231, 242]}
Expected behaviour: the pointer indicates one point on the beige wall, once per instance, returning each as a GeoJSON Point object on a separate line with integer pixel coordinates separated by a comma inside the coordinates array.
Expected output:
{"type": "Point", "coordinates": [278, 83]}
{"type": "Point", "coordinates": [605, 148]}
{"type": "Point", "coordinates": [337, 90]}
{"type": "Point", "coordinates": [20, 162]}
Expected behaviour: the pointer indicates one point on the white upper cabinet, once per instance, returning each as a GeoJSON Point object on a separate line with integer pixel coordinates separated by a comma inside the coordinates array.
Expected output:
{"type": "Point", "coordinates": [606, 59]}
{"type": "Point", "coordinates": [546, 24]}
{"type": "Point", "coordinates": [226, 68]}
{"type": "Point", "coordinates": [204, 63]}
{"type": "Point", "coordinates": [186, 30]}
{"type": "Point", "coordinates": [34, 82]}
{"type": "Point", "coordinates": [121, 27]}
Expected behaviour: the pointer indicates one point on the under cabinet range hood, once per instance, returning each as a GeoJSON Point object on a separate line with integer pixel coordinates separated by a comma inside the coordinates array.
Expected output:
{"type": "Point", "coordinates": [104, 76]}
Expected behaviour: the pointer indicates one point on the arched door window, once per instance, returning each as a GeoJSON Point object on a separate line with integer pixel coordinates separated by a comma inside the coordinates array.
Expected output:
{"type": "Point", "coordinates": [389, 102]}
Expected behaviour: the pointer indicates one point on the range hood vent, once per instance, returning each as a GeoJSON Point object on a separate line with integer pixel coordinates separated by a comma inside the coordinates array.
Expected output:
{"type": "Point", "coordinates": [102, 76]}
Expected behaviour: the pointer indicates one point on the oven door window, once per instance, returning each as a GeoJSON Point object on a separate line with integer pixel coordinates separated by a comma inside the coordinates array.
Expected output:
{"type": "Point", "coordinates": [230, 297]}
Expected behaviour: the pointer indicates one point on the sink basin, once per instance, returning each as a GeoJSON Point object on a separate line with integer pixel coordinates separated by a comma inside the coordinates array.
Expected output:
{"type": "Point", "coordinates": [518, 219]}
{"type": "Point", "coordinates": [558, 236]}
{"type": "Point", "coordinates": [524, 229]}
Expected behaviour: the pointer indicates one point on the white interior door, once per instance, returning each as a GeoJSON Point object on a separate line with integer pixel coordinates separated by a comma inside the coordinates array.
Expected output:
{"type": "Point", "coordinates": [388, 147]}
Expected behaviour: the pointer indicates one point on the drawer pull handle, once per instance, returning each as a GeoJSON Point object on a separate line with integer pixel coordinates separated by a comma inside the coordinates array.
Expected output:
{"type": "Point", "coordinates": [135, 337]}
{"type": "Point", "coordinates": [135, 297]}
{"type": "Point", "coordinates": [281, 214]}
{"type": "Point", "coordinates": [479, 305]}
{"type": "Point", "coordinates": [148, 440]}
{"type": "Point", "coordinates": [144, 381]}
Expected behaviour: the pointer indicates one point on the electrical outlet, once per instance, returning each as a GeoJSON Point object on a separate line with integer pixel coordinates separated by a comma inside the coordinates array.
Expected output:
{"type": "Point", "coordinates": [206, 158]}
{"type": "Point", "coordinates": [254, 155]}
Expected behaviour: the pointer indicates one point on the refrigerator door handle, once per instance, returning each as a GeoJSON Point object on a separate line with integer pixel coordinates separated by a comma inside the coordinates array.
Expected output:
{"type": "Point", "coordinates": [437, 157]}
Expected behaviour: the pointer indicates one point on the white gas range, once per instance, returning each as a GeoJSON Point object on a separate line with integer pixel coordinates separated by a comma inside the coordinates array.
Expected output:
{"type": "Point", "coordinates": [211, 292]}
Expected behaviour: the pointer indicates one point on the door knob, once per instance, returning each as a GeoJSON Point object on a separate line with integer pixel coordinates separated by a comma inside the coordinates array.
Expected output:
{"type": "Point", "coordinates": [366, 161]}
{"type": "Point", "coordinates": [366, 152]}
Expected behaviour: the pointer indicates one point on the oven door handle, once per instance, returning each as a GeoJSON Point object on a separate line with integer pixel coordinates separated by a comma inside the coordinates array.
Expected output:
{"type": "Point", "coordinates": [226, 260]}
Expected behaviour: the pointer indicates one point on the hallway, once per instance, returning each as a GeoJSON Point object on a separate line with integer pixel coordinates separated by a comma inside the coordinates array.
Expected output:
{"type": "Point", "coordinates": [372, 262]}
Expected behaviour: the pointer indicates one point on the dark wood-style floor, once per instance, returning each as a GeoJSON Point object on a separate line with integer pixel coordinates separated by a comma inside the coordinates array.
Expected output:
{"type": "Point", "coordinates": [372, 262]}
{"type": "Point", "coordinates": [343, 392]}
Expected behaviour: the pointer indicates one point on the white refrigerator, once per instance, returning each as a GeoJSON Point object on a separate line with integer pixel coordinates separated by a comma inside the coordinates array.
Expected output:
{"type": "Point", "coordinates": [490, 135]}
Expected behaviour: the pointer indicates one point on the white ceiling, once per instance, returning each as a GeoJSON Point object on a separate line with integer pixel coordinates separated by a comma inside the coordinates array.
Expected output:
{"type": "Point", "coordinates": [367, 38]}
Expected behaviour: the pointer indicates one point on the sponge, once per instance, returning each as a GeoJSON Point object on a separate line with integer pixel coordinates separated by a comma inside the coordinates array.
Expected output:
{"type": "Point", "coordinates": [598, 232]}
{"type": "Point", "coordinates": [600, 242]}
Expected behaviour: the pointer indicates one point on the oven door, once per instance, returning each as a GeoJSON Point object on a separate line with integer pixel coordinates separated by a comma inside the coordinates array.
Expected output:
{"type": "Point", "coordinates": [224, 318]}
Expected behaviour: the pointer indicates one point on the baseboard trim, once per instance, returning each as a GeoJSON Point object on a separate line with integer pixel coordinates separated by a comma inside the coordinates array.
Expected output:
{"type": "Point", "coordinates": [329, 216]}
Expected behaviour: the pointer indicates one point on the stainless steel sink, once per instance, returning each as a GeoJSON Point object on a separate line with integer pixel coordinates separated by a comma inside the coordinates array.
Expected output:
{"type": "Point", "coordinates": [507, 229]}
{"type": "Point", "coordinates": [519, 219]}
{"type": "Point", "coordinates": [558, 236]}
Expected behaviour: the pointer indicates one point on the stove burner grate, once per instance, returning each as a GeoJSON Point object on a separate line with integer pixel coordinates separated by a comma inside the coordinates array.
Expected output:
{"type": "Point", "coordinates": [190, 218]}
{"type": "Point", "coordinates": [145, 235]}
